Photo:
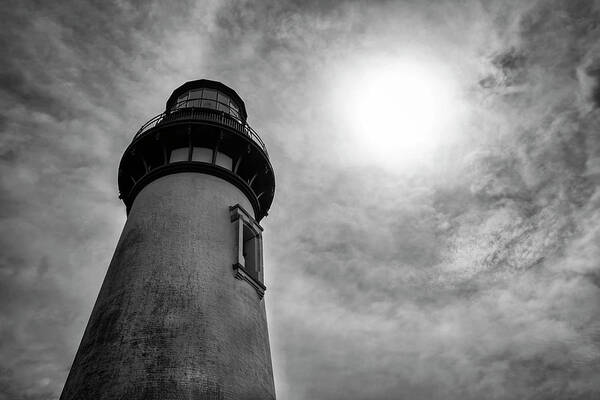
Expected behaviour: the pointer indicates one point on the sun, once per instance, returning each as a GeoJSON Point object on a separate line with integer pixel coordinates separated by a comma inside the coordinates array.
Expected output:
{"type": "Point", "coordinates": [397, 110]}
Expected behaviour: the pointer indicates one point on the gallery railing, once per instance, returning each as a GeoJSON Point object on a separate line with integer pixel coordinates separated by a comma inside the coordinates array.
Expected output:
{"type": "Point", "coordinates": [183, 111]}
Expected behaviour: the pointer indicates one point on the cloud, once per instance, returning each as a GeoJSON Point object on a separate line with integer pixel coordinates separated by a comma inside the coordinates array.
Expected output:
{"type": "Point", "coordinates": [493, 313]}
{"type": "Point", "coordinates": [475, 275]}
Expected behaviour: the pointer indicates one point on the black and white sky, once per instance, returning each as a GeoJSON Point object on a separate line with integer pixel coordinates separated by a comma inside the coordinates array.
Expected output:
{"type": "Point", "coordinates": [465, 265]}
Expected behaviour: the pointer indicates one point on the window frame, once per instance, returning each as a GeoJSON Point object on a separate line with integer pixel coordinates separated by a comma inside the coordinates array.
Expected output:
{"type": "Point", "coordinates": [240, 218]}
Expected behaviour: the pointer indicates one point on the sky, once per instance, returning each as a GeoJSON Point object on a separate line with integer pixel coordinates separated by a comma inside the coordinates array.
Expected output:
{"type": "Point", "coordinates": [435, 232]}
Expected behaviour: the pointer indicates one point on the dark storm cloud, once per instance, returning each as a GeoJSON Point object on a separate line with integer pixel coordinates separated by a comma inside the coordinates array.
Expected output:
{"type": "Point", "coordinates": [476, 277]}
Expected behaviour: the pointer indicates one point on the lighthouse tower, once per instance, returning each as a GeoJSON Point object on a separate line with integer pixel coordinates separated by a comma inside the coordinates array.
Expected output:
{"type": "Point", "coordinates": [180, 314]}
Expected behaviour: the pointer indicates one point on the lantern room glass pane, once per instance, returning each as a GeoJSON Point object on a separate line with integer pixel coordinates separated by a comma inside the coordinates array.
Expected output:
{"type": "Point", "coordinates": [223, 107]}
{"type": "Point", "coordinates": [209, 94]}
{"type": "Point", "coordinates": [223, 98]}
{"type": "Point", "coordinates": [195, 94]}
{"type": "Point", "coordinates": [234, 110]}
{"type": "Point", "coordinates": [209, 104]}
{"type": "Point", "coordinates": [181, 101]}
{"type": "Point", "coordinates": [208, 98]}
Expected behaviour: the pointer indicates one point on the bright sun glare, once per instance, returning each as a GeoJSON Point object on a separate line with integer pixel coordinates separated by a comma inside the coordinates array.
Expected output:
{"type": "Point", "coordinates": [398, 111]}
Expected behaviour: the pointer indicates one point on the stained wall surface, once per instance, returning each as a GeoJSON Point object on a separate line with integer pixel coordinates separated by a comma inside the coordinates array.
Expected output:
{"type": "Point", "coordinates": [171, 321]}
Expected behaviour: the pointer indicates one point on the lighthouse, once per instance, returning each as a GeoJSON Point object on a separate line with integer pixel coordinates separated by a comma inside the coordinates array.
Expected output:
{"type": "Point", "coordinates": [181, 313]}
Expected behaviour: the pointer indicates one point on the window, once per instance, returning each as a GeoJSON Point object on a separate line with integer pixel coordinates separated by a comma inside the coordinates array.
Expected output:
{"type": "Point", "coordinates": [223, 98]}
{"type": "Point", "coordinates": [202, 154]}
{"type": "Point", "coordinates": [181, 101]}
{"type": "Point", "coordinates": [209, 104]}
{"type": "Point", "coordinates": [194, 98]}
{"type": "Point", "coordinates": [208, 98]}
{"type": "Point", "coordinates": [234, 112]}
{"type": "Point", "coordinates": [224, 107]}
{"type": "Point", "coordinates": [195, 94]}
{"type": "Point", "coordinates": [223, 160]}
{"type": "Point", "coordinates": [248, 251]}
{"type": "Point", "coordinates": [180, 154]}
{"type": "Point", "coordinates": [210, 94]}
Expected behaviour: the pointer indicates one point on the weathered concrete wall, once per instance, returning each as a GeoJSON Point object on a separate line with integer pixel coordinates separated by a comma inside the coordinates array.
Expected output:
{"type": "Point", "coordinates": [171, 321]}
